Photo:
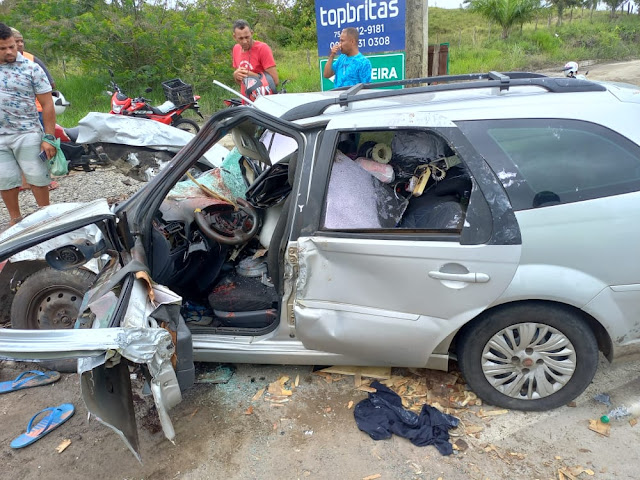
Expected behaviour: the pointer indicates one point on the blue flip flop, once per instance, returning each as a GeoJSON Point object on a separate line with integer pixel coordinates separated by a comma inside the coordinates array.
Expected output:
{"type": "Point", "coordinates": [32, 378]}
{"type": "Point", "coordinates": [56, 417]}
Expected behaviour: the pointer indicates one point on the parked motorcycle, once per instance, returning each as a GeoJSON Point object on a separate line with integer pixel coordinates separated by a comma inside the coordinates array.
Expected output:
{"type": "Point", "coordinates": [179, 99]}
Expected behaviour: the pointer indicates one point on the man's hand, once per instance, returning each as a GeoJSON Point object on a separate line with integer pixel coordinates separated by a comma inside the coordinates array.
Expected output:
{"type": "Point", "coordinates": [328, 68]}
{"type": "Point", "coordinates": [240, 74]}
{"type": "Point", "coordinates": [49, 149]}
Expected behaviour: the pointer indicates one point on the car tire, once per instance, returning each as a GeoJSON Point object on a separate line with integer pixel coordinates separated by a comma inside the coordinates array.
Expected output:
{"type": "Point", "coordinates": [555, 362]}
{"type": "Point", "coordinates": [51, 293]}
{"type": "Point", "coordinates": [187, 125]}
{"type": "Point", "coordinates": [50, 299]}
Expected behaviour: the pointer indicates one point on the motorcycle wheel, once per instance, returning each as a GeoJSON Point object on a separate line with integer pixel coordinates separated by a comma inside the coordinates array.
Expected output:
{"type": "Point", "coordinates": [187, 125]}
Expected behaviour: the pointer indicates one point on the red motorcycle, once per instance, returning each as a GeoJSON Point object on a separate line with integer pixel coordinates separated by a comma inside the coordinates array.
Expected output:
{"type": "Point", "coordinates": [179, 99]}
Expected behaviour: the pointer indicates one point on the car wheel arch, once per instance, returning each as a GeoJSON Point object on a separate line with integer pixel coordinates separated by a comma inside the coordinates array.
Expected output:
{"type": "Point", "coordinates": [553, 362]}
{"type": "Point", "coordinates": [605, 343]}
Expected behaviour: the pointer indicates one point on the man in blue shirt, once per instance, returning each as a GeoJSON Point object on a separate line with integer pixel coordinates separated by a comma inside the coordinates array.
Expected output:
{"type": "Point", "coordinates": [351, 67]}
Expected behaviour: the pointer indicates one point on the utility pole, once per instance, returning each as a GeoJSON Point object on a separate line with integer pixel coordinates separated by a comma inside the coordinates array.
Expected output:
{"type": "Point", "coordinates": [417, 38]}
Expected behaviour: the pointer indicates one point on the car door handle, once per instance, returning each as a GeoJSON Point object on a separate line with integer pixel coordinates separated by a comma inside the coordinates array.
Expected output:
{"type": "Point", "coordinates": [460, 277]}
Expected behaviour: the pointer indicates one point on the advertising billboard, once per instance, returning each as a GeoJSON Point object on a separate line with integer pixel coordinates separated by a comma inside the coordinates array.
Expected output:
{"type": "Point", "coordinates": [380, 23]}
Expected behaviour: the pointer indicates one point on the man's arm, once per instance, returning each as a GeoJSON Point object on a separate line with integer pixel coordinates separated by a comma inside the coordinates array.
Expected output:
{"type": "Point", "coordinates": [328, 68]}
{"type": "Point", "coordinates": [48, 120]}
{"type": "Point", "coordinates": [239, 74]}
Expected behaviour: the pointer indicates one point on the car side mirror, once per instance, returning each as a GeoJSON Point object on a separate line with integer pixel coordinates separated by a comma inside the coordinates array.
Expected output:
{"type": "Point", "coordinates": [74, 255]}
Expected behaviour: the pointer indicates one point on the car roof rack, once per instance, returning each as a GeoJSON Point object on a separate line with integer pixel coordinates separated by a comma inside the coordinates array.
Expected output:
{"type": "Point", "coordinates": [444, 83]}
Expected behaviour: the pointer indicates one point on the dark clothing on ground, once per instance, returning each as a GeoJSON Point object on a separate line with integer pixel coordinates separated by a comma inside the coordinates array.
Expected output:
{"type": "Point", "coordinates": [382, 415]}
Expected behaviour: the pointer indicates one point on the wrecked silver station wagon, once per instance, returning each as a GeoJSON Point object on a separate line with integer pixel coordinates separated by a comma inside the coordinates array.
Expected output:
{"type": "Point", "coordinates": [473, 219]}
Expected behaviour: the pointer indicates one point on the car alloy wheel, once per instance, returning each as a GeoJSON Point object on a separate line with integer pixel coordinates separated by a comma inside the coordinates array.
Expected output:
{"type": "Point", "coordinates": [528, 360]}
{"type": "Point", "coordinates": [528, 356]}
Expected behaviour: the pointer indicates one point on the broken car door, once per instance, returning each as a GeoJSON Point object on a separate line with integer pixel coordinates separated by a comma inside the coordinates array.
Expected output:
{"type": "Point", "coordinates": [415, 237]}
{"type": "Point", "coordinates": [119, 320]}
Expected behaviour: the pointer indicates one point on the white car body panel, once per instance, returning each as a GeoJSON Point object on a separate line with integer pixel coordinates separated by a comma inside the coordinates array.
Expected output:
{"type": "Point", "coordinates": [364, 297]}
{"type": "Point", "coordinates": [141, 132]}
{"type": "Point", "coordinates": [591, 262]}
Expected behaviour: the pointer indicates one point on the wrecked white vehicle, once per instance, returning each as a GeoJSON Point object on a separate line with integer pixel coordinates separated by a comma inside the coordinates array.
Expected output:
{"type": "Point", "coordinates": [470, 220]}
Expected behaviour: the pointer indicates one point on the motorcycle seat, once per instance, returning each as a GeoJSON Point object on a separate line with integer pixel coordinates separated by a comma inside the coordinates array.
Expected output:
{"type": "Point", "coordinates": [72, 133]}
{"type": "Point", "coordinates": [163, 109]}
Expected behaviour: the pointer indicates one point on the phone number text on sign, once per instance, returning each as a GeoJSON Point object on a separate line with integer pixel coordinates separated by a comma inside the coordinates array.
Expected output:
{"type": "Point", "coordinates": [369, 42]}
{"type": "Point", "coordinates": [380, 23]}
{"type": "Point", "coordinates": [366, 40]}
{"type": "Point", "coordinates": [368, 30]}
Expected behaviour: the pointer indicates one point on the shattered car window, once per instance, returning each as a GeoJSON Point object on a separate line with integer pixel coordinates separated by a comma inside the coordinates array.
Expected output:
{"type": "Point", "coordinates": [406, 179]}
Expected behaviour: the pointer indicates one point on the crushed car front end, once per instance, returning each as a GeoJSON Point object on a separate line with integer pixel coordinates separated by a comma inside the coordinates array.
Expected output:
{"type": "Point", "coordinates": [123, 319]}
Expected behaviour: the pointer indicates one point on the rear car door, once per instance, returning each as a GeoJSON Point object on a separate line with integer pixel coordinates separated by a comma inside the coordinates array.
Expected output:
{"type": "Point", "coordinates": [384, 276]}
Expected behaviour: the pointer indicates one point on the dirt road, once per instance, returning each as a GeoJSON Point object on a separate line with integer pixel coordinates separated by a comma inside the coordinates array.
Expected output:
{"type": "Point", "coordinates": [221, 433]}
{"type": "Point", "coordinates": [625, 72]}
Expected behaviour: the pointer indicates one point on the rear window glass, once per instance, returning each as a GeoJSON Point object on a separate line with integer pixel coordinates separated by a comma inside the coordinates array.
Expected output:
{"type": "Point", "coordinates": [547, 162]}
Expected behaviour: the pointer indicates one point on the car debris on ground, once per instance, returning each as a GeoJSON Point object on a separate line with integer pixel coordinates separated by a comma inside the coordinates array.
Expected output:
{"type": "Point", "coordinates": [446, 392]}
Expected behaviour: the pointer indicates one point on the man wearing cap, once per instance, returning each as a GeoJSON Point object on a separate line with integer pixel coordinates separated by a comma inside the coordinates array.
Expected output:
{"type": "Point", "coordinates": [21, 133]}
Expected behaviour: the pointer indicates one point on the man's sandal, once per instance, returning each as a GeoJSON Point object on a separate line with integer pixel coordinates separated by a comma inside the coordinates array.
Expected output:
{"type": "Point", "coordinates": [55, 417]}
{"type": "Point", "coordinates": [32, 378]}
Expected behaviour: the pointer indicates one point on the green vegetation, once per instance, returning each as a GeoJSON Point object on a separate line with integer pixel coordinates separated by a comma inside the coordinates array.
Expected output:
{"type": "Point", "coordinates": [506, 13]}
{"type": "Point", "coordinates": [146, 42]}
{"type": "Point", "coordinates": [475, 44]}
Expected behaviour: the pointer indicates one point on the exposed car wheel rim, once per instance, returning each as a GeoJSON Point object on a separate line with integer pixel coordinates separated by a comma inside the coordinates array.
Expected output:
{"type": "Point", "coordinates": [57, 307]}
{"type": "Point", "coordinates": [528, 361]}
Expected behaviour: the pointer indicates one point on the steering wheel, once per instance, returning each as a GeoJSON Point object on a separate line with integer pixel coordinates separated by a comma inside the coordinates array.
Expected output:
{"type": "Point", "coordinates": [230, 227]}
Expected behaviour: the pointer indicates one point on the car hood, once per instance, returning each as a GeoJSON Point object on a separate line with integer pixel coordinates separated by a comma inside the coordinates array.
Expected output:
{"type": "Point", "coordinates": [50, 222]}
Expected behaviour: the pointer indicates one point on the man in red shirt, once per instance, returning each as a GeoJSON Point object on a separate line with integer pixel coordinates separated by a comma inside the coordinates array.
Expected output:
{"type": "Point", "coordinates": [250, 57]}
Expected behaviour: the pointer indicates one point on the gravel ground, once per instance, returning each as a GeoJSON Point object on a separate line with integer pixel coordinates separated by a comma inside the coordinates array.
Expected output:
{"type": "Point", "coordinates": [80, 186]}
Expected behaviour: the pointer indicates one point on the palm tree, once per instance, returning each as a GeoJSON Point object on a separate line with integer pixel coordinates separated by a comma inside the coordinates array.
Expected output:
{"type": "Point", "coordinates": [506, 13]}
